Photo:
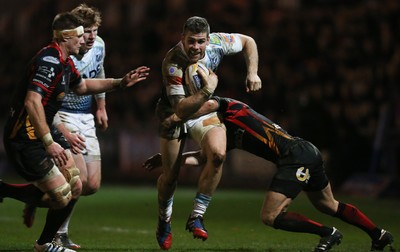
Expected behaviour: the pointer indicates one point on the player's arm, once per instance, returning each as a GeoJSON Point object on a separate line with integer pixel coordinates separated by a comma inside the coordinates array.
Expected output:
{"type": "Point", "coordinates": [101, 113]}
{"type": "Point", "coordinates": [35, 109]}
{"type": "Point", "coordinates": [253, 81]}
{"type": "Point", "coordinates": [185, 108]}
{"type": "Point", "coordinates": [76, 141]}
{"type": "Point", "coordinates": [190, 158]}
{"type": "Point", "coordinates": [94, 86]}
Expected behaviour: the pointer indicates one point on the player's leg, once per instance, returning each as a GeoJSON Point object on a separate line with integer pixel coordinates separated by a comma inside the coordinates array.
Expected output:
{"type": "Point", "coordinates": [325, 202]}
{"type": "Point", "coordinates": [67, 175]}
{"type": "Point", "coordinates": [171, 151]}
{"type": "Point", "coordinates": [62, 237]}
{"type": "Point", "coordinates": [213, 145]}
{"type": "Point", "coordinates": [274, 214]}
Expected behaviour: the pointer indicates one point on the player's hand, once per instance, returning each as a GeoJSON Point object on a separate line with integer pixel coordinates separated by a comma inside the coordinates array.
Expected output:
{"type": "Point", "coordinates": [253, 83]}
{"type": "Point", "coordinates": [58, 154]}
{"type": "Point", "coordinates": [210, 81]}
{"type": "Point", "coordinates": [76, 141]}
{"type": "Point", "coordinates": [135, 76]}
{"type": "Point", "coordinates": [153, 162]}
{"type": "Point", "coordinates": [102, 119]}
{"type": "Point", "coordinates": [170, 121]}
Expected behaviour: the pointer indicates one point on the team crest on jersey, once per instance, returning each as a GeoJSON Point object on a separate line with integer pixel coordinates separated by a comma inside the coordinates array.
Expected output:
{"type": "Point", "coordinates": [174, 71]}
{"type": "Point", "coordinates": [51, 59]}
{"type": "Point", "coordinates": [303, 174]}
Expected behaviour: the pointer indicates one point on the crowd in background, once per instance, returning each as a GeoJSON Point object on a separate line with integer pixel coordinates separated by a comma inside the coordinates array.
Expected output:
{"type": "Point", "coordinates": [330, 69]}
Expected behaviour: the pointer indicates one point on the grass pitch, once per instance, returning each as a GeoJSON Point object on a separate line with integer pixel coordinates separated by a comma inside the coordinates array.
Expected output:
{"type": "Point", "coordinates": [125, 218]}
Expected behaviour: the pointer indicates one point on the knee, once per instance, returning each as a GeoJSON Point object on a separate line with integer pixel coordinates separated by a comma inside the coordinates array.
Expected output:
{"type": "Point", "coordinates": [268, 218]}
{"type": "Point", "coordinates": [90, 188]}
{"type": "Point", "coordinates": [58, 197]}
{"type": "Point", "coordinates": [218, 158]}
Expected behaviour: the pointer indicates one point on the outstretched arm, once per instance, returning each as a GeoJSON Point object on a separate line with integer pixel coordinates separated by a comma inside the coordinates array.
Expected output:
{"type": "Point", "coordinates": [94, 86]}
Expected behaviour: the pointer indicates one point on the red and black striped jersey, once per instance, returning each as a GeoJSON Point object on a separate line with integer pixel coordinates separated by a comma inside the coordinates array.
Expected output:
{"type": "Point", "coordinates": [49, 75]}
{"type": "Point", "coordinates": [253, 132]}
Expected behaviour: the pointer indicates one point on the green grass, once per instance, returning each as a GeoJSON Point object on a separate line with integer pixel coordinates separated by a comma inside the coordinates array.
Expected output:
{"type": "Point", "coordinates": [124, 219]}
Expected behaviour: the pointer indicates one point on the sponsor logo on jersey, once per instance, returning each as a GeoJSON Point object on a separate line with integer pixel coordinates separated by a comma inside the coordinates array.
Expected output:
{"type": "Point", "coordinates": [51, 59]}
{"type": "Point", "coordinates": [215, 40]}
{"type": "Point", "coordinates": [303, 174]}
{"type": "Point", "coordinates": [229, 38]}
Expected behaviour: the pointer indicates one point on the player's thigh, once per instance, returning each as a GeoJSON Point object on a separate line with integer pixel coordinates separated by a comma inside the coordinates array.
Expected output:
{"type": "Point", "coordinates": [214, 141]}
{"type": "Point", "coordinates": [171, 151]}
{"type": "Point", "coordinates": [94, 173]}
{"type": "Point", "coordinates": [81, 164]}
{"type": "Point", "coordinates": [324, 200]}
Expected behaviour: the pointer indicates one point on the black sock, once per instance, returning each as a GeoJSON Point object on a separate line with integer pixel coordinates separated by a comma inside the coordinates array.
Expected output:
{"type": "Point", "coordinates": [55, 218]}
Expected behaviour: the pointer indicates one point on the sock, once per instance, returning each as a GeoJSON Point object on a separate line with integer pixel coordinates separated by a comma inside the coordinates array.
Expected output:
{"type": "Point", "coordinates": [27, 193]}
{"type": "Point", "coordinates": [64, 226]}
{"type": "Point", "coordinates": [352, 215]}
{"type": "Point", "coordinates": [200, 205]}
{"type": "Point", "coordinates": [54, 219]}
{"type": "Point", "coordinates": [298, 223]}
{"type": "Point", "coordinates": [165, 209]}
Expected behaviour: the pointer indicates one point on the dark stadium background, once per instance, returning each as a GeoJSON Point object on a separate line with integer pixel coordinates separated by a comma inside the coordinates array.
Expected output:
{"type": "Point", "coordinates": [330, 72]}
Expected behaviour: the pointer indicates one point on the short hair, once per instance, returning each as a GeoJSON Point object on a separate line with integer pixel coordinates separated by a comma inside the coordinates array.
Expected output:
{"type": "Point", "coordinates": [90, 15]}
{"type": "Point", "coordinates": [196, 24]}
{"type": "Point", "coordinates": [66, 20]}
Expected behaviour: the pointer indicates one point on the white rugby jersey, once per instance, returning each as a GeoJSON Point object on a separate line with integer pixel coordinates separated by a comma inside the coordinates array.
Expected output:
{"type": "Point", "coordinates": [89, 66]}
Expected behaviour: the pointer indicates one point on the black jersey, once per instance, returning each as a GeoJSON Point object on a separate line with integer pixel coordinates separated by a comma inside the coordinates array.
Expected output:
{"type": "Point", "coordinates": [50, 76]}
{"type": "Point", "coordinates": [253, 132]}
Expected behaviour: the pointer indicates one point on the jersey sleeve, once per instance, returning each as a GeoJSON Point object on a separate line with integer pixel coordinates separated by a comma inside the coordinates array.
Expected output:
{"type": "Point", "coordinates": [101, 74]}
{"type": "Point", "coordinates": [173, 78]}
{"type": "Point", "coordinates": [229, 42]}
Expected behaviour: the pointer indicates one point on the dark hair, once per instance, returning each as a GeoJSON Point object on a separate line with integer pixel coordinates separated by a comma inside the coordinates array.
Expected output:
{"type": "Point", "coordinates": [90, 15]}
{"type": "Point", "coordinates": [196, 25]}
{"type": "Point", "coordinates": [66, 20]}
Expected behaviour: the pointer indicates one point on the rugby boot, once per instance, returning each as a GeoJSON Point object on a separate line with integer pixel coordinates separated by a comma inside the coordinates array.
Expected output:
{"type": "Point", "coordinates": [63, 240]}
{"type": "Point", "coordinates": [327, 242]}
{"type": "Point", "coordinates": [48, 247]}
{"type": "Point", "coordinates": [386, 239]}
{"type": "Point", "coordinates": [195, 225]}
{"type": "Point", "coordinates": [28, 215]}
{"type": "Point", "coordinates": [164, 234]}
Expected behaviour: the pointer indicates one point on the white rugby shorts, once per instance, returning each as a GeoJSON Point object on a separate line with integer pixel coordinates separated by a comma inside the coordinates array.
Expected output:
{"type": "Point", "coordinates": [83, 124]}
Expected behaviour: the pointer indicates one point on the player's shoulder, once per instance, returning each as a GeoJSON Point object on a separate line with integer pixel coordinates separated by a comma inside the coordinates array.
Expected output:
{"type": "Point", "coordinates": [99, 42]}
{"type": "Point", "coordinates": [49, 55]}
{"type": "Point", "coordinates": [219, 38]}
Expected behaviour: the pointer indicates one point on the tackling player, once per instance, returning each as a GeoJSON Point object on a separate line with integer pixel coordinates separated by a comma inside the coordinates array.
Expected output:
{"type": "Point", "coordinates": [300, 167]}
{"type": "Point", "coordinates": [27, 138]}
{"type": "Point", "coordinates": [75, 119]}
{"type": "Point", "coordinates": [196, 45]}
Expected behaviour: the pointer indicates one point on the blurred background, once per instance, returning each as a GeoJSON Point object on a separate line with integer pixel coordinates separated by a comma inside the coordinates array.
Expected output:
{"type": "Point", "coordinates": [330, 72]}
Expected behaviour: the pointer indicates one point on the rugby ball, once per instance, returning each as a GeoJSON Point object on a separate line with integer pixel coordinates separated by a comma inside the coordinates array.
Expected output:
{"type": "Point", "coordinates": [193, 80]}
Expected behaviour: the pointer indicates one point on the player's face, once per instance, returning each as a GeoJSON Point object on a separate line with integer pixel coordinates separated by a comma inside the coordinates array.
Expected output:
{"type": "Point", "coordinates": [89, 36]}
{"type": "Point", "coordinates": [195, 45]}
{"type": "Point", "coordinates": [74, 44]}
